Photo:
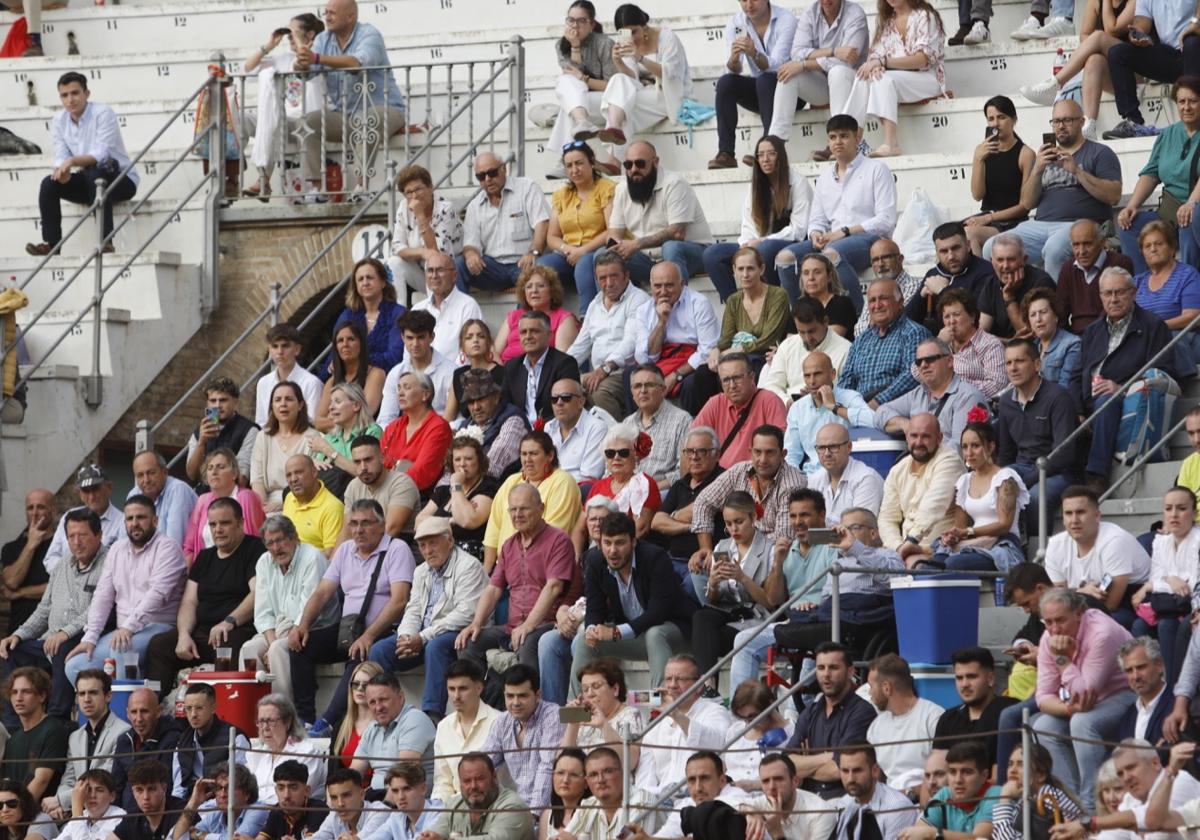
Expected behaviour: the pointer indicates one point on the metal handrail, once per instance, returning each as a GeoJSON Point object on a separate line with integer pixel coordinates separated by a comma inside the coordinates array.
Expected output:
{"type": "Point", "coordinates": [1043, 461]}
{"type": "Point", "coordinates": [1141, 462]}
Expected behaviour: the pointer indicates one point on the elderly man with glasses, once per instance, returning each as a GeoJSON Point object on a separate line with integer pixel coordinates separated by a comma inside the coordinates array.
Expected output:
{"type": "Point", "coordinates": [740, 408]}
{"type": "Point", "coordinates": [505, 228]}
{"type": "Point", "coordinates": [671, 526]}
{"type": "Point", "coordinates": [940, 392]}
{"type": "Point", "coordinates": [578, 434]}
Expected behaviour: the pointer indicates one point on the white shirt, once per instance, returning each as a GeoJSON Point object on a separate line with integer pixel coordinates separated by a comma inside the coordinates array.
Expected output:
{"type": "Point", "coordinates": [1185, 798]}
{"type": "Point", "coordinates": [440, 370]}
{"type": "Point", "coordinates": [893, 811]}
{"type": "Point", "coordinates": [811, 817]}
{"type": "Point", "coordinates": [672, 828]}
{"type": "Point", "coordinates": [865, 196]}
{"type": "Point", "coordinates": [456, 310]}
{"type": "Point", "coordinates": [777, 45]}
{"type": "Point", "coordinates": [797, 227]}
{"type": "Point", "coordinates": [91, 829]}
{"type": "Point", "coordinates": [692, 321]}
{"type": "Point", "coordinates": [673, 202]}
{"type": "Point", "coordinates": [904, 764]}
{"type": "Point", "coordinates": [1171, 559]}
{"type": "Point", "coordinates": [504, 232]}
{"type": "Point", "coordinates": [112, 528]}
{"type": "Point", "coordinates": [582, 453]}
{"type": "Point", "coordinates": [784, 376]}
{"type": "Point", "coordinates": [591, 820]}
{"type": "Point", "coordinates": [97, 133]}
{"type": "Point", "coordinates": [707, 723]}
{"type": "Point", "coordinates": [1116, 552]}
{"type": "Point", "coordinates": [860, 487]}
{"type": "Point", "coordinates": [1144, 713]}
{"type": "Point", "coordinates": [310, 386]}
{"type": "Point", "coordinates": [453, 740]}
{"type": "Point", "coordinates": [313, 755]}
{"type": "Point", "coordinates": [606, 335]}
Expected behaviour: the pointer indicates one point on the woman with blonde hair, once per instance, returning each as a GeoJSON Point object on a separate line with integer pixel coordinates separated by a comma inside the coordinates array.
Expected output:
{"type": "Point", "coordinates": [222, 475]}
{"type": "Point", "coordinates": [538, 288]}
{"type": "Point", "coordinates": [357, 718]}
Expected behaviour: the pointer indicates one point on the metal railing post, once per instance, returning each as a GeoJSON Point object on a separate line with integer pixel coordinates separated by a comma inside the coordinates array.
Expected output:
{"type": "Point", "coordinates": [231, 778]}
{"type": "Point", "coordinates": [1026, 776]}
{"type": "Point", "coordinates": [1043, 508]}
{"type": "Point", "coordinates": [626, 773]}
{"type": "Point", "coordinates": [143, 437]}
{"type": "Point", "coordinates": [217, 86]}
{"type": "Point", "coordinates": [835, 606]}
{"type": "Point", "coordinates": [275, 301]}
{"type": "Point", "coordinates": [93, 389]}
{"type": "Point", "coordinates": [516, 88]}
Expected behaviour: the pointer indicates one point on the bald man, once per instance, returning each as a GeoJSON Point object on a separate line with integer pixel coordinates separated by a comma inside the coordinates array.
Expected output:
{"type": "Point", "coordinates": [578, 433]}
{"type": "Point", "coordinates": [1078, 291]}
{"type": "Point", "coordinates": [505, 228]}
{"type": "Point", "coordinates": [845, 482]}
{"type": "Point", "coordinates": [1072, 178]}
{"type": "Point", "coordinates": [346, 45]}
{"type": "Point", "coordinates": [316, 513]}
{"type": "Point", "coordinates": [822, 404]}
{"type": "Point", "coordinates": [24, 576]}
{"type": "Point", "coordinates": [151, 737]}
{"type": "Point", "coordinates": [173, 499]}
{"type": "Point", "coordinates": [447, 303]}
{"type": "Point", "coordinates": [919, 491]}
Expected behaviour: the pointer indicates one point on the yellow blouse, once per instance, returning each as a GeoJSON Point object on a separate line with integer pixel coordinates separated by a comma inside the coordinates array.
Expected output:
{"type": "Point", "coordinates": [582, 221]}
{"type": "Point", "coordinates": [560, 495]}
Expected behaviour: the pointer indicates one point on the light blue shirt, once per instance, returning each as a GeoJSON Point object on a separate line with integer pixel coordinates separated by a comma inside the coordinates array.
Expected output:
{"type": "Point", "coordinates": [411, 730]}
{"type": "Point", "coordinates": [212, 822]}
{"type": "Point", "coordinates": [777, 44]}
{"type": "Point", "coordinates": [366, 45]}
{"type": "Point", "coordinates": [804, 420]}
{"type": "Point", "coordinates": [630, 604]}
{"type": "Point", "coordinates": [534, 373]}
{"type": "Point", "coordinates": [399, 827]}
{"type": "Point", "coordinates": [582, 452]}
{"type": "Point", "coordinates": [864, 583]}
{"type": "Point", "coordinates": [97, 134]}
{"type": "Point", "coordinates": [799, 569]}
{"type": "Point", "coordinates": [173, 507]}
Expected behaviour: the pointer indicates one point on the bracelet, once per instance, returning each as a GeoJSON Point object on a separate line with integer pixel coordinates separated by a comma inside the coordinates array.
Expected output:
{"type": "Point", "coordinates": [316, 58]}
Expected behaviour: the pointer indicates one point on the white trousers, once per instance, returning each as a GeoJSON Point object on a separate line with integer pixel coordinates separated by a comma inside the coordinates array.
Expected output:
{"type": "Point", "coordinates": [278, 660]}
{"type": "Point", "coordinates": [571, 94]}
{"type": "Point", "coordinates": [814, 88]}
{"type": "Point", "coordinates": [882, 97]}
{"type": "Point", "coordinates": [409, 273]}
{"type": "Point", "coordinates": [644, 105]}
{"type": "Point", "coordinates": [33, 16]}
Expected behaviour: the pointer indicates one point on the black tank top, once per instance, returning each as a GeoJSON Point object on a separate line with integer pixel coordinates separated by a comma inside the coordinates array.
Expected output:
{"type": "Point", "coordinates": [1002, 179]}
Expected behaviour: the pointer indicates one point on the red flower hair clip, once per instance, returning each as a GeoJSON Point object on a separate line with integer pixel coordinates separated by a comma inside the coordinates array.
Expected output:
{"type": "Point", "coordinates": [978, 414]}
{"type": "Point", "coordinates": [642, 445]}
{"type": "Point", "coordinates": [539, 425]}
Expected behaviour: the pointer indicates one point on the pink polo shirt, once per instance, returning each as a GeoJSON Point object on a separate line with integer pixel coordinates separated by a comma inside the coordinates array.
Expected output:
{"type": "Point", "coordinates": [524, 571]}
{"type": "Point", "coordinates": [1093, 666]}
{"type": "Point", "coordinates": [720, 414]}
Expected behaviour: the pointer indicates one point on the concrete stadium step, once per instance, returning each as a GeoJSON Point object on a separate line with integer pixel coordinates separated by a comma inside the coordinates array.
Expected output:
{"type": "Point", "coordinates": [25, 174]}
{"type": "Point", "coordinates": [1134, 515]}
{"type": "Point", "coordinates": [23, 224]}
{"type": "Point", "coordinates": [1151, 481]}
{"type": "Point", "coordinates": [131, 291]}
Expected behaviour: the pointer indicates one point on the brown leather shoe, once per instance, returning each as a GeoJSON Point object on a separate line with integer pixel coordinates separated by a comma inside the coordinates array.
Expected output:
{"type": "Point", "coordinates": [33, 51]}
{"type": "Point", "coordinates": [723, 160]}
{"type": "Point", "coordinates": [748, 160]}
{"type": "Point", "coordinates": [38, 249]}
{"type": "Point", "coordinates": [821, 155]}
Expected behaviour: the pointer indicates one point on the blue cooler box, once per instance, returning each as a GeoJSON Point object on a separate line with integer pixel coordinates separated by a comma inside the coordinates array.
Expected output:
{"type": "Point", "coordinates": [936, 684]}
{"type": "Point", "coordinates": [121, 689]}
{"type": "Point", "coordinates": [935, 616]}
{"type": "Point", "coordinates": [877, 450]}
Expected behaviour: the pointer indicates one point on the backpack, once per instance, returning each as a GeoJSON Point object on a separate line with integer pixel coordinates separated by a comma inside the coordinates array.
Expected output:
{"type": "Point", "coordinates": [1146, 415]}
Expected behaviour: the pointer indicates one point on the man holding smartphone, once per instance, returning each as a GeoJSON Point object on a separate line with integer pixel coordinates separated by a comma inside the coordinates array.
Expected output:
{"type": "Point", "coordinates": [1176, 54]}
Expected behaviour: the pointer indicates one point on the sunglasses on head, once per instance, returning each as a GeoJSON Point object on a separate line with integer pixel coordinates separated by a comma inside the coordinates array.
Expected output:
{"type": "Point", "coordinates": [487, 173]}
{"type": "Point", "coordinates": [637, 163]}
{"type": "Point", "coordinates": [617, 453]}
{"type": "Point", "coordinates": [574, 144]}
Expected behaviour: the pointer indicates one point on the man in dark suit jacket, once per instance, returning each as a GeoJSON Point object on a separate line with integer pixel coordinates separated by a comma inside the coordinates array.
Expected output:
{"type": "Point", "coordinates": [1142, 661]}
{"type": "Point", "coordinates": [1141, 335]}
{"type": "Point", "coordinates": [548, 366]}
{"type": "Point", "coordinates": [636, 606]}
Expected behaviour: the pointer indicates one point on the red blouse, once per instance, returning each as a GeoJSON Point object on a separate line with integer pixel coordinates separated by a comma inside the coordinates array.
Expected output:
{"type": "Point", "coordinates": [426, 450]}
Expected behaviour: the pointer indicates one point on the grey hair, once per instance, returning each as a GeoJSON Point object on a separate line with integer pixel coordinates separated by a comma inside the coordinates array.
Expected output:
{"type": "Point", "coordinates": [1011, 240]}
{"type": "Point", "coordinates": [158, 458]}
{"type": "Point", "coordinates": [529, 488]}
{"type": "Point", "coordinates": [942, 346]}
{"type": "Point", "coordinates": [704, 430]}
{"type": "Point", "coordinates": [866, 513]}
{"type": "Point", "coordinates": [604, 502]}
{"type": "Point", "coordinates": [1151, 646]}
{"type": "Point", "coordinates": [1117, 271]}
{"type": "Point", "coordinates": [1069, 598]}
{"type": "Point", "coordinates": [622, 431]}
{"type": "Point", "coordinates": [899, 295]}
{"type": "Point", "coordinates": [536, 315]}
{"type": "Point", "coordinates": [369, 505]}
{"type": "Point", "coordinates": [287, 710]}
{"type": "Point", "coordinates": [610, 258]}
{"type": "Point", "coordinates": [1142, 748]}
{"type": "Point", "coordinates": [1107, 776]}
{"type": "Point", "coordinates": [277, 523]}
{"type": "Point", "coordinates": [423, 380]}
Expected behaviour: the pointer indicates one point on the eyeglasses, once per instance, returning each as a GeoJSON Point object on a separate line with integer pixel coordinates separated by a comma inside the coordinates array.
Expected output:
{"type": "Point", "coordinates": [698, 452]}
{"type": "Point", "coordinates": [928, 360]}
{"type": "Point", "coordinates": [617, 453]}
{"type": "Point", "coordinates": [882, 257]}
{"type": "Point", "coordinates": [268, 721]}
{"type": "Point", "coordinates": [412, 192]}
{"type": "Point", "coordinates": [580, 21]}
{"type": "Point", "coordinates": [439, 269]}
{"type": "Point", "coordinates": [733, 380]}
{"type": "Point", "coordinates": [574, 144]}
{"type": "Point", "coordinates": [637, 163]}
{"type": "Point", "coordinates": [1064, 120]}
{"type": "Point", "coordinates": [746, 718]}
{"type": "Point", "coordinates": [830, 448]}
{"type": "Point", "coordinates": [494, 172]}
{"type": "Point", "coordinates": [5, 804]}
{"type": "Point", "coordinates": [359, 685]}
{"type": "Point", "coordinates": [563, 398]}
{"type": "Point", "coordinates": [646, 386]}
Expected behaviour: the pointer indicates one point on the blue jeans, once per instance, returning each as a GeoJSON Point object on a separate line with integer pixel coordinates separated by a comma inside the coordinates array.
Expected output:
{"type": "Point", "coordinates": [749, 661]}
{"type": "Point", "coordinates": [1055, 485]}
{"type": "Point", "coordinates": [436, 657]}
{"type": "Point", "coordinates": [1189, 240]}
{"type": "Point", "coordinates": [689, 256]}
{"type": "Point", "coordinates": [1104, 435]}
{"type": "Point", "coordinates": [62, 693]}
{"type": "Point", "coordinates": [719, 267]}
{"type": "Point", "coordinates": [1076, 762]}
{"type": "Point", "coordinates": [1167, 633]}
{"type": "Point", "coordinates": [1010, 718]}
{"type": "Point", "coordinates": [855, 254]}
{"type": "Point", "coordinates": [141, 640]}
{"type": "Point", "coordinates": [496, 276]}
{"type": "Point", "coordinates": [554, 666]}
{"type": "Point", "coordinates": [583, 273]}
{"type": "Point", "coordinates": [1000, 558]}
{"type": "Point", "coordinates": [1049, 242]}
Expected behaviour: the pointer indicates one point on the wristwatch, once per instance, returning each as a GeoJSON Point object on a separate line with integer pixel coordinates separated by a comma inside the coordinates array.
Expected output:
{"type": "Point", "coordinates": [845, 231]}
{"type": "Point", "coordinates": [971, 532]}
{"type": "Point", "coordinates": [535, 252]}
{"type": "Point", "coordinates": [611, 367]}
{"type": "Point", "coordinates": [229, 619]}
{"type": "Point", "coordinates": [1061, 660]}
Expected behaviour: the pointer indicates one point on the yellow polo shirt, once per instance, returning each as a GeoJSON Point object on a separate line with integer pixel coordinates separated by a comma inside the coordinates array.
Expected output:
{"type": "Point", "coordinates": [319, 521]}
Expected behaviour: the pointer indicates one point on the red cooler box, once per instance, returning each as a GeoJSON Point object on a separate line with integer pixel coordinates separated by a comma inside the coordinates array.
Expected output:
{"type": "Point", "coordinates": [238, 693]}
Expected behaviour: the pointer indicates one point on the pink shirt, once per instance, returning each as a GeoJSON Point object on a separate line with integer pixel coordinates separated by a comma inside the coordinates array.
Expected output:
{"type": "Point", "coordinates": [145, 583]}
{"type": "Point", "coordinates": [1093, 666]}
{"type": "Point", "coordinates": [524, 571]}
{"type": "Point", "coordinates": [512, 348]}
{"type": "Point", "coordinates": [720, 414]}
{"type": "Point", "coordinates": [252, 518]}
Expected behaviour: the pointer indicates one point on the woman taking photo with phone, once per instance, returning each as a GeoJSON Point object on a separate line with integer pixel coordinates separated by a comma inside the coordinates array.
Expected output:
{"type": "Point", "coordinates": [1000, 165]}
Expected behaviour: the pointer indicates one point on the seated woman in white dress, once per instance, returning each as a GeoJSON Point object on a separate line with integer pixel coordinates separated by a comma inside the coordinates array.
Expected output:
{"type": "Point", "coordinates": [651, 82]}
{"type": "Point", "coordinates": [585, 57]}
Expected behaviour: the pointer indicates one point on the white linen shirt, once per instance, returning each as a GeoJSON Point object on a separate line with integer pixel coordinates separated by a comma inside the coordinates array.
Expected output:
{"type": "Point", "coordinates": [784, 376]}
{"type": "Point", "coordinates": [606, 336]}
{"type": "Point", "coordinates": [865, 196]}
{"type": "Point", "coordinates": [776, 45]}
{"type": "Point", "coordinates": [811, 815]}
{"type": "Point", "coordinates": [669, 747]}
{"type": "Point", "coordinates": [692, 321]}
{"type": "Point", "coordinates": [1179, 560]}
{"type": "Point", "coordinates": [440, 369]}
{"type": "Point", "coordinates": [797, 227]}
{"type": "Point", "coordinates": [1116, 552]}
{"type": "Point", "coordinates": [453, 741]}
{"type": "Point", "coordinates": [504, 232]}
{"type": "Point", "coordinates": [456, 310]}
{"type": "Point", "coordinates": [582, 453]}
{"type": "Point", "coordinates": [310, 386]}
{"type": "Point", "coordinates": [97, 134]}
{"type": "Point", "coordinates": [860, 486]}
{"type": "Point", "coordinates": [673, 202]}
{"type": "Point", "coordinates": [280, 598]}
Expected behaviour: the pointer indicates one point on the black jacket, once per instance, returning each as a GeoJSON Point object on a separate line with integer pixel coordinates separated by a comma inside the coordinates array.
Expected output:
{"type": "Point", "coordinates": [159, 747]}
{"type": "Point", "coordinates": [1146, 335]}
{"type": "Point", "coordinates": [214, 744]}
{"type": "Point", "coordinates": [977, 277]}
{"type": "Point", "coordinates": [558, 365]}
{"type": "Point", "coordinates": [657, 586]}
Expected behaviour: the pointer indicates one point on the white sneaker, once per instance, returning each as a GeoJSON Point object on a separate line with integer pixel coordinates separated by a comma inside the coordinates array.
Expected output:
{"type": "Point", "coordinates": [979, 34]}
{"type": "Point", "coordinates": [314, 197]}
{"type": "Point", "coordinates": [1041, 93]}
{"type": "Point", "coordinates": [1025, 32]}
{"type": "Point", "coordinates": [1089, 129]}
{"type": "Point", "coordinates": [1056, 27]}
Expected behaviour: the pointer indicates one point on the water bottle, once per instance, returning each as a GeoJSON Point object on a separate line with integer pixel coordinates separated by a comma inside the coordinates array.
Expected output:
{"type": "Point", "coordinates": [1060, 58]}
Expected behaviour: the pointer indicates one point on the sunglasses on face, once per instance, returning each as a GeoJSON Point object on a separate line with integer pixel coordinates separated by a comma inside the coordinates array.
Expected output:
{"type": "Point", "coordinates": [616, 453]}
{"type": "Point", "coordinates": [488, 173]}
{"type": "Point", "coordinates": [928, 360]}
{"type": "Point", "coordinates": [562, 398]}
{"type": "Point", "coordinates": [637, 163]}
{"type": "Point", "coordinates": [6, 804]}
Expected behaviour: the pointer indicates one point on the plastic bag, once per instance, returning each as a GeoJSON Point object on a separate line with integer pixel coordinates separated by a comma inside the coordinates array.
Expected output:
{"type": "Point", "coordinates": [914, 230]}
